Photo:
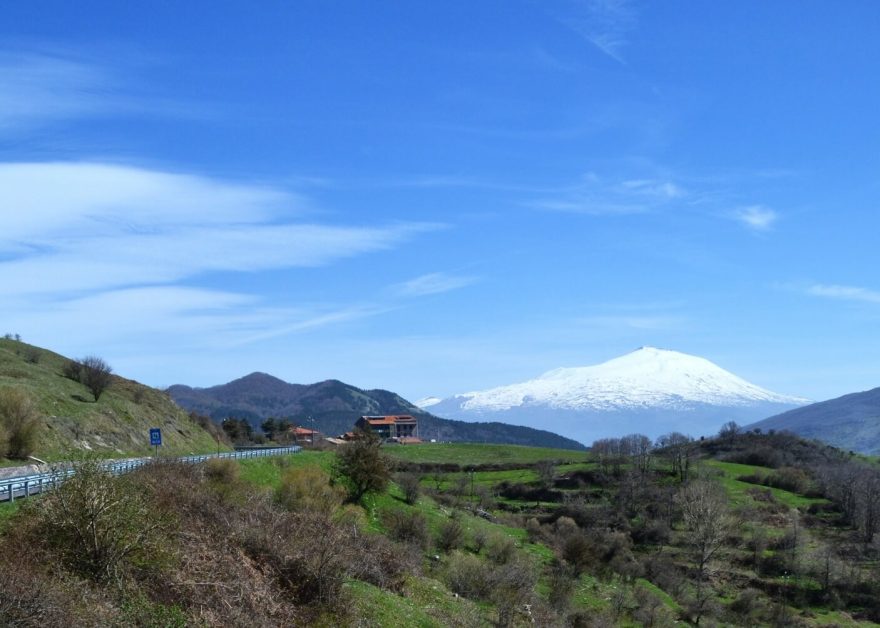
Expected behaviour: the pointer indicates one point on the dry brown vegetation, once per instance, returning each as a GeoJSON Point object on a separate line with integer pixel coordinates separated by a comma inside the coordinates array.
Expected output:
{"type": "Point", "coordinates": [175, 544]}
{"type": "Point", "coordinates": [19, 424]}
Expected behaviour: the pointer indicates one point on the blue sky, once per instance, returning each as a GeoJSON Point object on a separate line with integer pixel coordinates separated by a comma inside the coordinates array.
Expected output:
{"type": "Point", "coordinates": [435, 197]}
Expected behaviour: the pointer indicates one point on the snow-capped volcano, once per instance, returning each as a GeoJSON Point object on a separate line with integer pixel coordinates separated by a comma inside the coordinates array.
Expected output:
{"type": "Point", "coordinates": [645, 390]}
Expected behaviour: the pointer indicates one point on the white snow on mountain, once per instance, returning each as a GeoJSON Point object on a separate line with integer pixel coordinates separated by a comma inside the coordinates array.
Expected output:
{"type": "Point", "coordinates": [648, 378]}
{"type": "Point", "coordinates": [427, 402]}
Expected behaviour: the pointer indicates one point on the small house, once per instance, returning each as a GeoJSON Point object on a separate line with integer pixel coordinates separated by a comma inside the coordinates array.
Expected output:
{"type": "Point", "coordinates": [304, 435]}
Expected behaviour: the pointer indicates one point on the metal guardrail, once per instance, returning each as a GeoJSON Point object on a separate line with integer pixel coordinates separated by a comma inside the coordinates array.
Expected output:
{"type": "Point", "coordinates": [27, 485]}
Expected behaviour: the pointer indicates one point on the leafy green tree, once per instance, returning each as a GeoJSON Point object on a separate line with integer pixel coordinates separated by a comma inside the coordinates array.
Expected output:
{"type": "Point", "coordinates": [270, 427]}
{"type": "Point", "coordinates": [361, 465]}
{"type": "Point", "coordinates": [238, 430]}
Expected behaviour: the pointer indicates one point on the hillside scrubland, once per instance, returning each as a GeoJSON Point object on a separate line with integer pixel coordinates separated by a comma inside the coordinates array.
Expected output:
{"type": "Point", "coordinates": [744, 529]}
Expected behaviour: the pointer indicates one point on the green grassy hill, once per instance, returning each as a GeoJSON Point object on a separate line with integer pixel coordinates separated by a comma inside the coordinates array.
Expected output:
{"type": "Point", "coordinates": [116, 425]}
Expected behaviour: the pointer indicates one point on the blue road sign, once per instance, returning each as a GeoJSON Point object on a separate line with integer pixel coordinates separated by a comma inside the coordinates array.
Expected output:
{"type": "Point", "coordinates": [155, 436]}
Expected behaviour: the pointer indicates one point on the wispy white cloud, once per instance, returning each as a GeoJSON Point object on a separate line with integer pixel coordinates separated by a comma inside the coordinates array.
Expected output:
{"type": "Point", "coordinates": [607, 24]}
{"type": "Point", "coordinates": [182, 317]}
{"type": "Point", "coordinates": [597, 195]}
{"type": "Point", "coordinates": [846, 293]}
{"type": "Point", "coordinates": [756, 217]}
{"type": "Point", "coordinates": [432, 283]}
{"type": "Point", "coordinates": [39, 87]}
{"type": "Point", "coordinates": [74, 199]}
{"type": "Point", "coordinates": [650, 187]}
{"type": "Point", "coordinates": [74, 227]}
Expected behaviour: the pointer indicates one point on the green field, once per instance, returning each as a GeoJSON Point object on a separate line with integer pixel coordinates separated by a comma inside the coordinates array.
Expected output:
{"type": "Point", "coordinates": [478, 454]}
{"type": "Point", "coordinates": [738, 490]}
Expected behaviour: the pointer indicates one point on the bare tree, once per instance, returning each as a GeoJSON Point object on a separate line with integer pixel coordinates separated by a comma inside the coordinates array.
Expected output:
{"type": "Point", "coordinates": [95, 375]}
{"type": "Point", "coordinates": [678, 449]}
{"type": "Point", "coordinates": [729, 430]}
{"type": "Point", "coordinates": [638, 448]}
{"type": "Point", "coordinates": [868, 504]}
{"type": "Point", "coordinates": [607, 453]}
{"type": "Point", "coordinates": [706, 518]}
{"type": "Point", "coordinates": [546, 472]}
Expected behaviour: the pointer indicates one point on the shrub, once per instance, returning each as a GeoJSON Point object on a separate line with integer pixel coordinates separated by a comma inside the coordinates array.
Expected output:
{"type": "Point", "coordinates": [652, 532]}
{"type": "Point", "coordinates": [480, 538]}
{"type": "Point", "coordinates": [307, 553]}
{"type": "Point", "coordinates": [362, 466]}
{"type": "Point", "coordinates": [577, 552]}
{"type": "Point", "coordinates": [511, 587]}
{"type": "Point", "coordinates": [469, 576]}
{"type": "Point", "coordinates": [408, 527]}
{"type": "Point", "coordinates": [790, 479]}
{"type": "Point", "coordinates": [451, 535]}
{"type": "Point", "coordinates": [222, 470]}
{"type": "Point", "coordinates": [98, 524]}
{"type": "Point", "coordinates": [95, 374]}
{"type": "Point", "coordinates": [500, 549]}
{"type": "Point", "coordinates": [385, 563]}
{"type": "Point", "coordinates": [308, 488]}
{"type": "Point", "coordinates": [546, 472]}
{"type": "Point", "coordinates": [32, 355]}
{"type": "Point", "coordinates": [533, 529]}
{"type": "Point", "coordinates": [484, 497]}
{"type": "Point", "coordinates": [747, 608]}
{"type": "Point", "coordinates": [409, 484]}
{"type": "Point", "coordinates": [650, 610]}
{"type": "Point", "coordinates": [19, 424]}
{"type": "Point", "coordinates": [561, 582]}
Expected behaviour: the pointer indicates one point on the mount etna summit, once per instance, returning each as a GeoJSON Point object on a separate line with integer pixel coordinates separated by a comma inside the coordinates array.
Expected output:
{"type": "Point", "coordinates": [649, 391]}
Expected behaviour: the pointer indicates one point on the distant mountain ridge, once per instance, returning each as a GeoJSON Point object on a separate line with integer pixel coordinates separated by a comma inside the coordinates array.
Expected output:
{"type": "Point", "coordinates": [851, 422]}
{"type": "Point", "coordinates": [333, 407]}
{"type": "Point", "coordinates": [649, 390]}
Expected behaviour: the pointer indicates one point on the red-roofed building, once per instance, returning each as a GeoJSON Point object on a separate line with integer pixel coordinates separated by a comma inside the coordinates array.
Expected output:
{"type": "Point", "coordinates": [391, 426]}
{"type": "Point", "coordinates": [304, 435]}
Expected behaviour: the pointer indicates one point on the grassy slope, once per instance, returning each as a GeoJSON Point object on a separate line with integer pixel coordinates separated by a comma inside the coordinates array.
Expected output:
{"type": "Point", "coordinates": [737, 489]}
{"type": "Point", "coordinates": [472, 453]}
{"type": "Point", "coordinates": [426, 600]}
{"type": "Point", "coordinates": [116, 425]}
{"type": "Point", "coordinates": [740, 499]}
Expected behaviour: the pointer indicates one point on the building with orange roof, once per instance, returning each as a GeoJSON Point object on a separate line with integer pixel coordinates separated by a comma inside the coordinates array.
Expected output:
{"type": "Point", "coordinates": [394, 426]}
{"type": "Point", "coordinates": [304, 435]}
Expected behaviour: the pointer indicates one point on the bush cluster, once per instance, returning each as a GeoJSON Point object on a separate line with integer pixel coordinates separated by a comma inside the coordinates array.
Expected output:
{"type": "Point", "coordinates": [173, 544]}
{"type": "Point", "coordinates": [19, 424]}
